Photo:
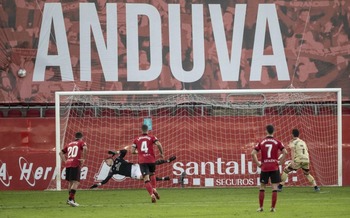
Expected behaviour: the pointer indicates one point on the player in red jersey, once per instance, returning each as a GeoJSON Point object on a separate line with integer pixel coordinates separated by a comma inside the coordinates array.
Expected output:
{"type": "Point", "coordinates": [143, 146]}
{"type": "Point", "coordinates": [269, 148]}
{"type": "Point", "coordinates": [73, 155]}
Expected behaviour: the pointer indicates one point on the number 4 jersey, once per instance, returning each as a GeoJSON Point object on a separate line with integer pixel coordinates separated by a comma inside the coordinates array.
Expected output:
{"type": "Point", "coordinates": [144, 146]}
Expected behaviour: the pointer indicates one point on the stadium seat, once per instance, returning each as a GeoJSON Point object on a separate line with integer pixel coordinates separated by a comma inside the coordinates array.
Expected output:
{"type": "Point", "coordinates": [307, 110]}
{"type": "Point", "coordinates": [33, 112]}
{"type": "Point", "coordinates": [200, 111]}
{"type": "Point", "coordinates": [14, 113]}
{"type": "Point", "coordinates": [162, 112]}
{"type": "Point", "coordinates": [288, 111]}
{"type": "Point", "coordinates": [1, 114]}
{"type": "Point", "coordinates": [271, 111]}
{"type": "Point", "coordinates": [143, 113]}
{"type": "Point", "coordinates": [182, 112]}
{"type": "Point", "coordinates": [107, 112]}
{"type": "Point", "coordinates": [325, 111]}
{"type": "Point", "coordinates": [345, 110]}
{"type": "Point", "coordinates": [74, 112]}
{"type": "Point", "coordinates": [125, 113]}
{"type": "Point", "coordinates": [50, 112]}
{"type": "Point", "coordinates": [89, 112]}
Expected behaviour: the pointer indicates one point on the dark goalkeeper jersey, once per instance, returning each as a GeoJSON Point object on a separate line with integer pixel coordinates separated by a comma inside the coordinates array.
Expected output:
{"type": "Point", "coordinates": [120, 166]}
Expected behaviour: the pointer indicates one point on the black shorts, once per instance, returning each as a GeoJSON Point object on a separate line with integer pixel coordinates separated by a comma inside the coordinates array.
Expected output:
{"type": "Point", "coordinates": [147, 168]}
{"type": "Point", "coordinates": [73, 174]}
{"type": "Point", "coordinates": [273, 175]}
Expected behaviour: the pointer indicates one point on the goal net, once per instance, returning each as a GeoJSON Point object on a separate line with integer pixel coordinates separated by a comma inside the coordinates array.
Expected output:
{"type": "Point", "coordinates": [211, 132]}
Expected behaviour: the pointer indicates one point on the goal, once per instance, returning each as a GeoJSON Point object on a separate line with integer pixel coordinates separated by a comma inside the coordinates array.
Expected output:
{"type": "Point", "coordinates": [211, 132]}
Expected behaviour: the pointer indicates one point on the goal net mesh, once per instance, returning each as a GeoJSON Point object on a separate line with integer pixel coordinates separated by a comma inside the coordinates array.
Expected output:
{"type": "Point", "coordinates": [212, 135]}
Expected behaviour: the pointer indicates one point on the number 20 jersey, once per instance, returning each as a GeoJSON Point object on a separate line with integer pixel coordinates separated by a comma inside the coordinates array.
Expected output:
{"type": "Point", "coordinates": [73, 151]}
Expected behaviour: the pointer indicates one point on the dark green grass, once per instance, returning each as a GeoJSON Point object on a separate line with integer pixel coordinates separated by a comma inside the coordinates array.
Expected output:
{"type": "Point", "coordinates": [182, 203]}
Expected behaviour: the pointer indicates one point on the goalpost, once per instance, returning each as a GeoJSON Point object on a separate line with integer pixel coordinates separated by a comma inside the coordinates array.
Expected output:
{"type": "Point", "coordinates": [212, 132]}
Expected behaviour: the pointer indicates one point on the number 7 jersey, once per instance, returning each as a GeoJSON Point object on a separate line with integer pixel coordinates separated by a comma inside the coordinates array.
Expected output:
{"type": "Point", "coordinates": [269, 147]}
{"type": "Point", "coordinates": [300, 150]}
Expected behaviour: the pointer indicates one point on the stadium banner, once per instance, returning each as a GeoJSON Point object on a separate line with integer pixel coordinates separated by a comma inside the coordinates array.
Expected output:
{"type": "Point", "coordinates": [170, 45]}
{"type": "Point", "coordinates": [27, 162]}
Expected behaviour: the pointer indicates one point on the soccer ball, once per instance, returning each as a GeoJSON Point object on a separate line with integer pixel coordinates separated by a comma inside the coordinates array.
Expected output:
{"type": "Point", "coordinates": [22, 73]}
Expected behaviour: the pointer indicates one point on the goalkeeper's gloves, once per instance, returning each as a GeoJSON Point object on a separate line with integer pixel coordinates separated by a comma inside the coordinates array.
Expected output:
{"type": "Point", "coordinates": [95, 185]}
{"type": "Point", "coordinates": [172, 158]}
{"type": "Point", "coordinates": [111, 152]}
{"type": "Point", "coordinates": [160, 161]}
{"type": "Point", "coordinates": [166, 178]}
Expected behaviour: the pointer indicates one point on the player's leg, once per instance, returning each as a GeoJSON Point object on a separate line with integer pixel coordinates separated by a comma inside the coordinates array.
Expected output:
{"type": "Point", "coordinates": [74, 179]}
{"type": "Point", "coordinates": [145, 173]}
{"type": "Point", "coordinates": [309, 177]}
{"type": "Point", "coordinates": [275, 180]}
{"type": "Point", "coordinates": [72, 193]}
{"type": "Point", "coordinates": [70, 183]}
{"type": "Point", "coordinates": [152, 169]}
{"type": "Point", "coordinates": [289, 168]}
{"type": "Point", "coordinates": [264, 178]}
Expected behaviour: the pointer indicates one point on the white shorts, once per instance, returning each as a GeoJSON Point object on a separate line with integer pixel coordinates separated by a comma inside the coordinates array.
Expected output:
{"type": "Point", "coordinates": [136, 172]}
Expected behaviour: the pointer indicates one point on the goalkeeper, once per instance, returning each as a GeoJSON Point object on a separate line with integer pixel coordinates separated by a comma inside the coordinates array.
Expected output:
{"type": "Point", "coordinates": [300, 160]}
{"type": "Point", "coordinates": [128, 169]}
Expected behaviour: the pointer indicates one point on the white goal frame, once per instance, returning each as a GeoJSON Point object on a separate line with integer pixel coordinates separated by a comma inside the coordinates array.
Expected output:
{"type": "Point", "coordinates": [179, 92]}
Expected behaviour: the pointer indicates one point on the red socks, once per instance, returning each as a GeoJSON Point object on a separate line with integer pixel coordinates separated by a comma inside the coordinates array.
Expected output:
{"type": "Point", "coordinates": [153, 181]}
{"type": "Point", "coordinates": [274, 198]}
{"type": "Point", "coordinates": [72, 194]}
{"type": "Point", "coordinates": [149, 188]}
{"type": "Point", "coordinates": [261, 198]}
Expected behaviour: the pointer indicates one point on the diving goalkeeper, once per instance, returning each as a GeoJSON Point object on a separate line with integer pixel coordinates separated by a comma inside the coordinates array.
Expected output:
{"type": "Point", "coordinates": [125, 168]}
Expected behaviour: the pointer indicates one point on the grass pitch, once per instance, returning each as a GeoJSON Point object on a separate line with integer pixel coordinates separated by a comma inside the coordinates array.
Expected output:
{"type": "Point", "coordinates": [181, 203]}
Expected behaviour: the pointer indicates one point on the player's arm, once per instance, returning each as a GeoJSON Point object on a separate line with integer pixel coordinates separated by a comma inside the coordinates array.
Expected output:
{"type": "Point", "coordinates": [111, 152]}
{"type": "Point", "coordinates": [122, 153]}
{"type": "Point", "coordinates": [292, 151]}
{"type": "Point", "coordinates": [160, 148]}
{"type": "Point", "coordinates": [161, 161]}
{"type": "Point", "coordinates": [82, 160]}
{"type": "Point", "coordinates": [283, 157]}
{"type": "Point", "coordinates": [165, 178]}
{"type": "Point", "coordinates": [133, 149]}
{"type": "Point", "coordinates": [110, 175]}
{"type": "Point", "coordinates": [255, 157]}
{"type": "Point", "coordinates": [62, 155]}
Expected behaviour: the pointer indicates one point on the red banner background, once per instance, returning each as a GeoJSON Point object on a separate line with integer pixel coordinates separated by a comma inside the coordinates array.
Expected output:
{"type": "Point", "coordinates": [27, 159]}
{"type": "Point", "coordinates": [315, 39]}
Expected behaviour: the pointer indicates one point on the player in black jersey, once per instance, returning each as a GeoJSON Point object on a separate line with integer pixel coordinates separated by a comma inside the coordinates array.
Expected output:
{"type": "Point", "coordinates": [125, 168]}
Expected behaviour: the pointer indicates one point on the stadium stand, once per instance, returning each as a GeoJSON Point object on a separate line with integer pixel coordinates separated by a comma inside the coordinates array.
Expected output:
{"type": "Point", "coordinates": [346, 110]}
{"type": "Point", "coordinates": [33, 112]}
{"type": "Point", "coordinates": [14, 112]}
{"type": "Point", "coordinates": [107, 112]}
{"type": "Point", "coordinates": [271, 111]}
{"type": "Point", "coordinates": [89, 112]}
{"type": "Point", "coordinates": [50, 112]}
